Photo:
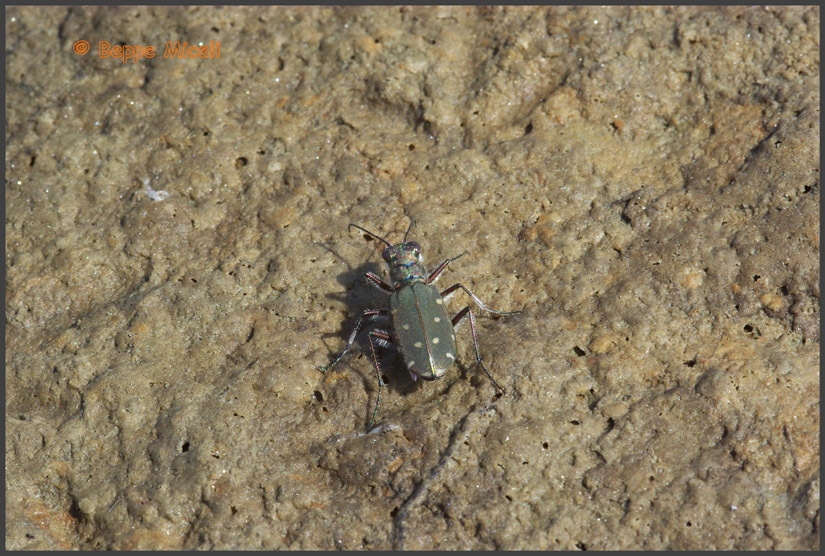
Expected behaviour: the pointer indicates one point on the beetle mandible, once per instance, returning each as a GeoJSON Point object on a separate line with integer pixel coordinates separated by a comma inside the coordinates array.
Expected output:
{"type": "Point", "coordinates": [422, 330]}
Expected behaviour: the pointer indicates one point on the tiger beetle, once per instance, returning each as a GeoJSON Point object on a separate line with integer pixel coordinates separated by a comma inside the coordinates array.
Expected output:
{"type": "Point", "coordinates": [422, 330]}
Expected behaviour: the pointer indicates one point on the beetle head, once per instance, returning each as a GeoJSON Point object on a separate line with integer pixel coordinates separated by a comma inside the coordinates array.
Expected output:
{"type": "Point", "coordinates": [404, 260]}
{"type": "Point", "coordinates": [402, 253]}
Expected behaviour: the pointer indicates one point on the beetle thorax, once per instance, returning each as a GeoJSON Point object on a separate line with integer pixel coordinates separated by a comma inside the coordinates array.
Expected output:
{"type": "Point", "coordinates": [405, 263]}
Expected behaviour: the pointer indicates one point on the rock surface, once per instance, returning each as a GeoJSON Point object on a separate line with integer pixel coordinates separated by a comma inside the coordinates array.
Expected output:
{"type": "Point", "coordinates": [642, 182]}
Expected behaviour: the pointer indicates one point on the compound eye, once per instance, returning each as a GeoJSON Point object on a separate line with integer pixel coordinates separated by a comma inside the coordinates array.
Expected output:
{"type": "Point", "coordinates": [386, 253]}
{"type": "Point", "coordinates": [415, 246]}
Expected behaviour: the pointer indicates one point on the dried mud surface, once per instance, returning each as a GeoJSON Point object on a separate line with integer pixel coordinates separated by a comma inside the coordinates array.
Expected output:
{"type": "Point", "coordinates": [642, 183]}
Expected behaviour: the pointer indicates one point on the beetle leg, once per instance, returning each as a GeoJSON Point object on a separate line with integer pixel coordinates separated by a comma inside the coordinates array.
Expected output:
{"type": "Point", "coordinates": [378, 282]}
{"type": "Point", "coordinates": [454, 287]}
{"type": "Point", "coordinates": [382, 339]}
{"type": "Point", "coordinates": [369, 314]}
{"type": "Point", "coordinates": [461, 314]}
{"type": "Point", "coordinates": [440, 268]}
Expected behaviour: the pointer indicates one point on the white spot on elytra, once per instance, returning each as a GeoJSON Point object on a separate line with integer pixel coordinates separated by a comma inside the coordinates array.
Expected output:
{"type": "Point", "coordinates": [405, 326]}
{"type": "Point", "coordinates": [439, 300]}
{"type": "Point", "coordinates": [437, 319]}
{"type": "Point", "coordinates": [418, 344]}
{"type": "Point", "coordinates": [411, 364]}
{"type": "Point", "coordinates": [450, 355]}
{"type": "Point", "coordinates": [436, 340]}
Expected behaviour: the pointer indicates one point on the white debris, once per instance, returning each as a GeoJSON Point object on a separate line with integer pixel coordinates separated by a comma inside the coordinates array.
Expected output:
{"type": "Point", "coordinates": [159, 195]}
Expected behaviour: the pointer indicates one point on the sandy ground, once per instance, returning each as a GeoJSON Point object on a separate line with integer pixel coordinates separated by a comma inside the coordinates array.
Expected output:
{"type": "Point", "coordinates": [642, 183]}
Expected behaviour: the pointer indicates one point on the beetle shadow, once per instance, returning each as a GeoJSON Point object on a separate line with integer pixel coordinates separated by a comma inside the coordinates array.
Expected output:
{"type": "Point", "coordinates": [358, 296]}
